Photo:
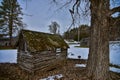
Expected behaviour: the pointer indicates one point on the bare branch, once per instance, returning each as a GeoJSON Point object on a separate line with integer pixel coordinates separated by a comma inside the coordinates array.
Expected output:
{"type": "Point", "coordinates": [114, 21]}
{"type": "Point", "coordinates": [64, 5]}
{"type": "Point", "coordinates": [114, 10]}
{"type": "Point", "coordinates": [71, 11]}
{"type": "Point", "coordinates": [27, 14]}
{"type": "Point", "coordinates": [75, 10]}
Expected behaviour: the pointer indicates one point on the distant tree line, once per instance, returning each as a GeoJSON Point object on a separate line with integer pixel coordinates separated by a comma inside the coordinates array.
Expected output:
{"type": "Point", "coordinates": [77, 33]}
{"type": "Point", "coordinates": [83, 31]}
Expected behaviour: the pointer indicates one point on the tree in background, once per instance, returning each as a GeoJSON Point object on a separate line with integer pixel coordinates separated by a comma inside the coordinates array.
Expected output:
{"type": "Point", "coordinates": [54, 28]}
{"type": "Point", "coordinates": [80, 32]}
{"type": "Point", "coordinates": [10, 21]}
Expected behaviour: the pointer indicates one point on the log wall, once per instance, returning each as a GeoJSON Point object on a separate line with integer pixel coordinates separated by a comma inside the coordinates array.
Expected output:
{"type": "Point", "coordinates": [42, 61]}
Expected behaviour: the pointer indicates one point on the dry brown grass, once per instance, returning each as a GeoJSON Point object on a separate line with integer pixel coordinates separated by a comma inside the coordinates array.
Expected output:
{"type": "Point", "coordinates": [69, 71]}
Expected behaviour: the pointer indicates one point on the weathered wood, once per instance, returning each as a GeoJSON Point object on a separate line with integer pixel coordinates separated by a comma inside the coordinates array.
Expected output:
{"type": "Point", "coordinates": [32, 56]}
{"type": "Point", "coordinates": [41, 61]}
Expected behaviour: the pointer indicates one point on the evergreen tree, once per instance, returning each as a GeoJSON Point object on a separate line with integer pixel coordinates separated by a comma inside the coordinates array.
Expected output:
{"type": "Point", "coordinates": [10, 17]}
{"type": "Point", "coordinates": [77, 33]}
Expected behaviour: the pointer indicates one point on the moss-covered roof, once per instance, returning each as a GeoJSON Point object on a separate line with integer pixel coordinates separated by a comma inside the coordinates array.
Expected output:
{"type": "Point", "coordinates": [37, 41]}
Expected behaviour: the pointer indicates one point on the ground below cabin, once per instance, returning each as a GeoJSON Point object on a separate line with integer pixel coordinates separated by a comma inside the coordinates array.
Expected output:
{"type": "Point", "coordinates": [69, 71]}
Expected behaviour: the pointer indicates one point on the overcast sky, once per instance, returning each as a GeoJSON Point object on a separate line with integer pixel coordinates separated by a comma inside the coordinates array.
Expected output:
{"type": "Point", "coordinates": [42, 12]}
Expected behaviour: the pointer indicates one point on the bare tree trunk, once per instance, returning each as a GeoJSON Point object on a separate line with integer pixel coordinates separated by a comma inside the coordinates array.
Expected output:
{"type": "Point", "coordinates": [98, 59]}
{"type": "Point", "coordinates": [11, 23]}
{"type": "Point", "coordinates": [10, 30]}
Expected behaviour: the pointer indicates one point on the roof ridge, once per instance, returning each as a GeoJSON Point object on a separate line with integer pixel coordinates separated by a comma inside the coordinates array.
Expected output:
{"type": "Point", "coordinates": [37, 31]}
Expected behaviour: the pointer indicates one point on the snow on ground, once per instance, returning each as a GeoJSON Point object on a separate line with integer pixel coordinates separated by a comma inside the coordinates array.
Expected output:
{"type": "Point", "coordinates": [75, 52]}
{"type": "Point", "coordinates": [114, 69]}
{"type": "Point", "coordinates": [9, 56]}
{"type": "Point", "coordinates": [111, 68]}
{"type": "Point", "coordinates": [115, 54]}
{"type": "Point", "coordinates": [53, 77]}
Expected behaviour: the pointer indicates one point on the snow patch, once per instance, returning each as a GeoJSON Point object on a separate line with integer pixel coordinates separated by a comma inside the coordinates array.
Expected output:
{"type": "Point", "coordinates": [80, 65]}
{"type": "Point", "coordinates": [8, 56]}
{"type": "Point", "coordinates": [53, 77]}
{"type": "Point", "coordinates": [114, 53]}
{"type": "Point", "coordinates": [114, 69]}
{"type": "Point", "coordinates": [77, 53]}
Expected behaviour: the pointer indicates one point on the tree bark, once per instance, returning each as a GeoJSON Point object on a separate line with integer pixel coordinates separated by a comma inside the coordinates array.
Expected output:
{"type": "Point", "coordinates": [11, 23]}
{"type": "Point", "coordinates": [10, 29]}
{"type": "Point", "coordinates": [98, 58]}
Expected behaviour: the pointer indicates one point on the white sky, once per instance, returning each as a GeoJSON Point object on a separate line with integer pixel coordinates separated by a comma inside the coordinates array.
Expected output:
{"type": "Point", "coordinates": [43, 12]}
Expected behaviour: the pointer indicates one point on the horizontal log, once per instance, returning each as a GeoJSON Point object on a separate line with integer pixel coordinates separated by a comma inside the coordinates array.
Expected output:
{"type": "Point", "coordinates": [45, 62]}
{"type": "Point", "coordinates": [44, 59]}
{"type": "Point", "coordinates": [27, 65]}
{"type": "Point", "coordinates": [47, 67]}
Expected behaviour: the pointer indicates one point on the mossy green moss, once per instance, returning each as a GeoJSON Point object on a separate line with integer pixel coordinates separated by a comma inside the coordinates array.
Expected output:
{"type": "Point", "coordinates": [39, 41]}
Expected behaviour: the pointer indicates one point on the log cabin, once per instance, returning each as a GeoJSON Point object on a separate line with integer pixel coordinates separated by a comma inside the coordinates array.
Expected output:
{"type": "Point", "coordinates": [40, 51]}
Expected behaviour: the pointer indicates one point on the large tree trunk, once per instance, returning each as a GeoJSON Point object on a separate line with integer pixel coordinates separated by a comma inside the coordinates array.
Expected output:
{"type": "Point", "coordinates": [98, 59]}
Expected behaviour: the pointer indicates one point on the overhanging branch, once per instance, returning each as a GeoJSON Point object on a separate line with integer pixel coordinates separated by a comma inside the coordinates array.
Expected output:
{"type": "Point", "coordinates": [114, 21]}
{"type": "Point", "coordinates": [114, 10]}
